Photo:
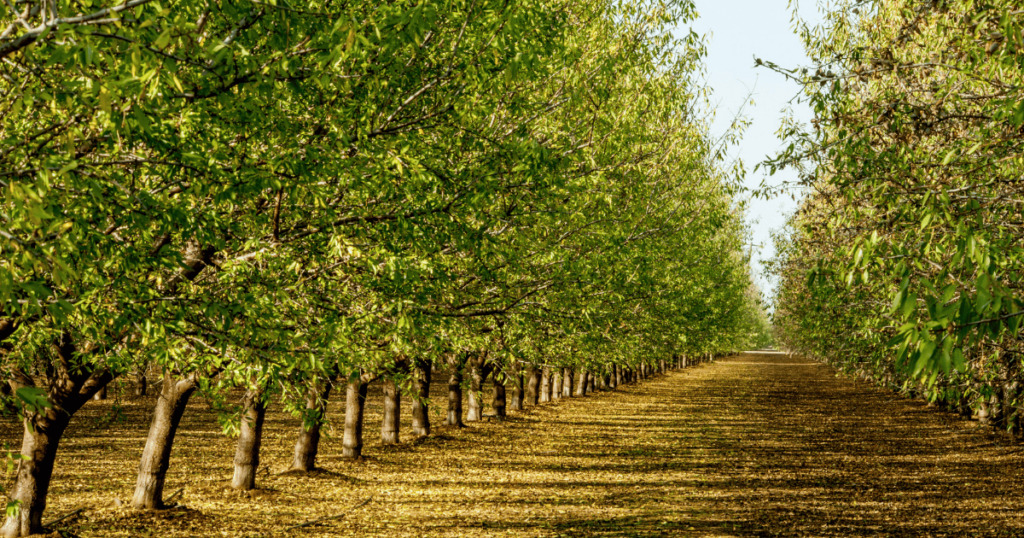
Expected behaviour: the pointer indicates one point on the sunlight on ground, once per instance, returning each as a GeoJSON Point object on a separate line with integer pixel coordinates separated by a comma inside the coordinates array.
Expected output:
{"type": "Point", "coordinates": [738, 448]}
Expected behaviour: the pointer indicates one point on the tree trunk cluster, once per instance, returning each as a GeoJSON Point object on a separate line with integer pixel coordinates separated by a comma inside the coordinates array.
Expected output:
{"type": "Point", "coordinates": [467, 373]}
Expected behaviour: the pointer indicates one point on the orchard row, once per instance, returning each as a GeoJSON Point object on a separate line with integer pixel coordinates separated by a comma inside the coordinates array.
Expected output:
{"type": "Point", "coordinates": [274, 196]}
{"type": "Point", "coordinates": [905, 261]}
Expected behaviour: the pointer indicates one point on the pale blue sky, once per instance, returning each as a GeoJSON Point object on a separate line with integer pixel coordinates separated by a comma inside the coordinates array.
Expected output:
{"type": "Point", "coordinates": [736, 32]}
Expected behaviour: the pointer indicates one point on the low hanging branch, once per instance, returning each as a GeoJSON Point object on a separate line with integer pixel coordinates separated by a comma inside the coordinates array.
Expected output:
{"type": "Point", "coordinates": [328, 518]}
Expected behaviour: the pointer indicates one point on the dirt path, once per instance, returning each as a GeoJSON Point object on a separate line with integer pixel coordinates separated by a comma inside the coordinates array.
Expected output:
{"type": "Point", "coordinates": [796, 451]}
{"type": "Point", "coordinates": [754, 445]}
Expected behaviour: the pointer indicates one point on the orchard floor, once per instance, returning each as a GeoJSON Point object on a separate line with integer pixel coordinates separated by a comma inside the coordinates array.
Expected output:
{"type": "Point", "coordinates": [752, 445]}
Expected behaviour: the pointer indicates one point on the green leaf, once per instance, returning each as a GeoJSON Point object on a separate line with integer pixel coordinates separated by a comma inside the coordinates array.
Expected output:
{"type": "Point", "coordinates": [897, 302]}
{"type": "Point", "coordinates": [13, 508]}
{"type": "Point", "coordinates": [163, 39]}
{"type": "Point", "coordinates": [984, 294]}
{"type": "Point", "coordinates": [923, 361]}
{"type": "Point", "coordinates": [958, 360]}
{"type": "Point", "coordinates": [944, 357]}
{"type": "Point", "coordinates": [909, 305]}
{"type": "Point", "coordinates": [899, 338]}
{"type": "Point", "coordinates": [1018, 115]}
{"type": "Point", "coordinates": [34, 398]}
{"type": "Point", "coordinates": [948, 292]}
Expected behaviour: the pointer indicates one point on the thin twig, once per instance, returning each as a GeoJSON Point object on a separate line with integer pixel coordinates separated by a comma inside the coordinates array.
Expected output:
{"type": "Point", "coordinates": [173, 495]}
{"type": "Point", "coordinates": [62, 518]}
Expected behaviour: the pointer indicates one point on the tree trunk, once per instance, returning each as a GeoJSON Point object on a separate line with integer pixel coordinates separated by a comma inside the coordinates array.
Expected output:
{"type": "Point", "coordinates": [250, 435]}
{"type": "Point", "coordinates": [391, 425]}
{"type": "Point", "coordinates": [545, 385]}
{"type": "Point", "coordinates": [567, 382]}
{"type": "Point", "coordinates": [556, 383]}
{"type": "Point", "coordinates": [355, 405]}
{"type": "Point", "coordinates": [68, 388]}
{"type": "Point", "coordinates": [581, 383]}
{"type": "Point", "coordinates": [616, 376]}
{"type": "Point", "coordinates": [499, 399]}
{"type": "Point", "coordinates": [455, 363]}
{"type": "Point", "coordinates": [995, 407]}
{"type": "Point", "coordinates": [100, 394]}
{"type": "Point", "coordinates": [421, 398]}
{"type": "Point", "coordinates": [606, 381]}
{"type": "Point", "coordinates": [664, 367]}
{"type": "Point", "coordinates": [478, 372]}
{"type": "Point", "coordinates": [1011, 394]}
{"type": "Point", "coordinates": [533, 385]}
{"type": "Point", "coordinates": [308, 444]}
{"type": "Point", "coordinates": [39, 443]}
{"type": "Point", "coordinates": [156, 456]}
{"type": "Point", "coordinates": [7, 402]}
{"type": "Point", "coordinates": [590, 381]}
{"type": "Point", "coordinates": [518, 394]}
{"type": "Point", "coordinates": [141, 384]}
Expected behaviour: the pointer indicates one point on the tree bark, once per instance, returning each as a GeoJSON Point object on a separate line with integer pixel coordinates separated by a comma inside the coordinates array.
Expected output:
{"type": "Point", "coordinates": [518, 392]}
{"type": "Point", "coordinates": [533, 385]}
{"type": "Point", "coordinates": [455, 363]}
{"type": "Point", "coordinates": [567, 382]}
{"type": "Point", "coordinates": [498, 402]}
{"type": "Point", "coordinates": [606, 381]}
{"type": "Point", "coordinates": [156, 456]}
{"type": "Point", "coordinates": [581, 383]}
{"type": "Point", "coordinates": [556, 383]}
{"type": "Point", "coordinates": [391, 424]}
{"type": "Point", "coordinates": [355, 405]}
{"type": "Point", "coordinates": [250, 436]}
{"type": "Point", "coordinates": [421, 398]}
{"type": "Point", "coordinates": [39, 442]}
{"type": "Point", "coordinates": [479, 369]}
{"type": "Point", "coordinates": [1011, 393]}
{"type": "Point", "coordinates": [473, 397]}
{"type": "Point", "coordinates": [307, 446]}
{"type": "Point", "coordinates": [141, 383]}
{"type": "Point", "coordinates": [590, 381]}
{"type": "Point", "coordinates": [545, 385]}
{"type": "Point", "coordinates": [100, 394]}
